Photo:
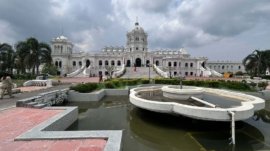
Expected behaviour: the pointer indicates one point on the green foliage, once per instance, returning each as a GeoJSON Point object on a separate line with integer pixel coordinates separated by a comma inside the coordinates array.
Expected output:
{"type": "Point", "coordinates": [85, 88]}
{"type": "Point", "coordinates": [26, 76]}
{"type": "Point", "coordinates": [266, 77]}
{"type": "Point", "coordinates": [50, 69]}
{"type": "Point", "coordinates": [118, 83]}
{"type": "Point", "coordinates": [262, 85]}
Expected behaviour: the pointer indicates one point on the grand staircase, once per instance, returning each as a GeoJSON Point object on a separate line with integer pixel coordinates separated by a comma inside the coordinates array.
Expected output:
{"type": "Point", "coordinates": [141, 72]}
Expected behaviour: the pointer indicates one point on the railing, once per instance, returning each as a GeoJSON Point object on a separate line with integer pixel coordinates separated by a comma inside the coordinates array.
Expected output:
{"type": "Point", "coordinates": [47, 83]}
{"type": "Point", "coordinates": [76, 72]}
{"type": "Point", "coordinates": [41, 100]}
{"type": "Point", "coordinates": [160, 72]}
{"type": "Point", "coordinates": [120, 72]}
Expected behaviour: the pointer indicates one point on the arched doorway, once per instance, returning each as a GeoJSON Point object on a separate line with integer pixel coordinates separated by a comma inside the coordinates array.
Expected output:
{"type": "Point", "coordinates": [87, 63]}
{"type": "Point", "coordinates": [128, 63]}
{"type": "Point", "coordinates": [157, 63]}
{"type": "Point", "coordinates": [138, 62]}
{"type": "Point", "coordinates": [147, 63]}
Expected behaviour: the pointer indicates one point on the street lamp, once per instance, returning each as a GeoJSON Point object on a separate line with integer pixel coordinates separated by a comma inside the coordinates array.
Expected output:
{"type": "Point", "coordinates": [149, 71]}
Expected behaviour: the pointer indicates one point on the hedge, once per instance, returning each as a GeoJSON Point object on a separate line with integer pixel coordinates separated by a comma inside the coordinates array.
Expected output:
{"type": "Point", "coordinates": [116, 83]}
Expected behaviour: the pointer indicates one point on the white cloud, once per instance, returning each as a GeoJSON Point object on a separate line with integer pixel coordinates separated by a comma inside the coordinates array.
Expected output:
{"type": "Point", "coordinates": [7, 34]}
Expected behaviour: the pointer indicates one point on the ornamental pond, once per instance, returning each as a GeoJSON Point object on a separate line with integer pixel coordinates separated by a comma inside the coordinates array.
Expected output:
{"type": "Point", "coordinates": [151, 131]}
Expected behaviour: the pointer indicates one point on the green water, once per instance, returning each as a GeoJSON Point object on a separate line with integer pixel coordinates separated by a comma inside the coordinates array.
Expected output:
{"type": "Point", "coordinates": [150, 131]}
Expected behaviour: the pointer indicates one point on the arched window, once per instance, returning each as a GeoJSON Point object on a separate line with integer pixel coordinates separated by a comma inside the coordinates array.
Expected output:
{"type": "Point", "coordinates": [100, 62]}
{"type": "Point", "coordinates": [174, 64]}
{"type": "Point", "coordinates": [186, 65]}
{"type": "Point", "coordinates": [169, 64]}
{"type": "Point", "coordinates": [106, 62]}
{"type": "Point", "coordinates": [56, 63]}
{"type": "Point", "coordinates": [60, 64]}
{"type": "Point", "coordinates": [80, 63]}
{"type": "Point", "coordinates": [157, 63]}
{"type": "Point", "coordinates": [191, 73]}
{"type": "Point", "coordinates": [112, 62]}
{"type": "Point", "coordinates": [119, 63]}
{"type": "Point", "coordinates": [222, 67]}
{"type": "Point", "coordinates": [191, 65]}
{"type": "Point", "coordinates": [74, 63]}
{"type": "Point", "coordinates": [137, 38]}
{"type": "Point", "coordinates": [239, 67]}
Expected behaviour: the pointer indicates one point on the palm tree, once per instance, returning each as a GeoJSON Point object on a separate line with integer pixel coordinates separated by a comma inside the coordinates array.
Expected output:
{"type": "Point", "coordinates": [257, 62]}
{"type": "Point", "coordinates": [6, 58]}
{"type": "Point", "coordinates": [33, 53]}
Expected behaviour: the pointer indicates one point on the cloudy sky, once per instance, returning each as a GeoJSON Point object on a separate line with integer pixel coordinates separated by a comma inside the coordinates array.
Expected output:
{"type": "Point", "coordinates": [217, 29]}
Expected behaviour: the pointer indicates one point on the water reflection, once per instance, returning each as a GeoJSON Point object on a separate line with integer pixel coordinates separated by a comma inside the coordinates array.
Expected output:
{"type": "Point", "coordinates": [150, 131]}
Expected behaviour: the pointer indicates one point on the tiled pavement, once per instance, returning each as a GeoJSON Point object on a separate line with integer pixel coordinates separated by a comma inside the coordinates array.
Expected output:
{"type": "Point", "coordinates": [16, 121]}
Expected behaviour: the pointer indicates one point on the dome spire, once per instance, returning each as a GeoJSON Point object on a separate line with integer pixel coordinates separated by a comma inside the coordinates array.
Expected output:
{"type": "Point", "coordinates": [136, 23]}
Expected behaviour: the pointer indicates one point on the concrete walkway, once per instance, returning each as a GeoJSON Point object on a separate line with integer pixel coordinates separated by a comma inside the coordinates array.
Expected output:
{"type": "Point", "coordinates": [7, 102]}
{"type": "Point", "coordinates": [16, 121]}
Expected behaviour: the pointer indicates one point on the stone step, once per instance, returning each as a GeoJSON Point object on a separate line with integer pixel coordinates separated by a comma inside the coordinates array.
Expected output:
{"type": "Point", "coordinates": [31, 104]}
{"type": "Point", "coordinates": [39, 106]}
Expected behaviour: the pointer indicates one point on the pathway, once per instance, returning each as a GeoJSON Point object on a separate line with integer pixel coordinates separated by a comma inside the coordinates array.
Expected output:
{"type": "Point", "coordinates": [141, 72]}
{"type": "Point", "coordinates": [25, 119]}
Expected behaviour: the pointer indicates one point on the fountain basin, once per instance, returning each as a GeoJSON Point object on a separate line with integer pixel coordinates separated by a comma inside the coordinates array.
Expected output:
{"type": "Point", "coordinates": [245, 108]}
{"type": "Point", "coordinates": [174, 92]}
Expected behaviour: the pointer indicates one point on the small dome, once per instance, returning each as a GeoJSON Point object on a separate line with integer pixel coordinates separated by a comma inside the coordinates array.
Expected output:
{"type": "Point", "coordinates": [183, 51]}
{"type": "Point", "coordinates": [62, 37]}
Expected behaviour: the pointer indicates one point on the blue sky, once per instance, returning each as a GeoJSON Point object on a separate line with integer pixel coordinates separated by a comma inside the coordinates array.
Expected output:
{"type": "Point", "coordinates": [219, 30]}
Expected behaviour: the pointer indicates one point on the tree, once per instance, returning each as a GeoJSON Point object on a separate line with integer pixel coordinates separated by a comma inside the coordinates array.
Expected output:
{"type": "Point", "coordinates": [253, 63]}
{"type": "Point", "coordinates": [6, 58]}
{"type": "Point", "coordinates": [257, 62]}
{"type": "Point", "coordinates": [50, 69]}
{"type": "Point", "coordinates": [110, 70]}
{"type": "Point", "coordinates": [33, 53]}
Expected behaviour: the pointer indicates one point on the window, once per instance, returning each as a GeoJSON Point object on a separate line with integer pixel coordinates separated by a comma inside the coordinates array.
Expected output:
{"type": "Point", "coordinates": [179, 64]}
{"type": "Point", "coordinates": [137, 39]}
{"type": "Point", "coordinates": [130, 49]}
{"type": "Point", "coordinates": [239, 67]}
{"type": "Point", "coordinates": [222, 67]}
{"type": "Point", "coordinates": [56, 63]}
{"type": "Point", "coordinates": [143, 49]}
{"type": "Point", "coordinates": [60, 64]}
{"type": "Point", "coordinates": [119, 63]}
{"type": "Point", "coordinates": [106, 62]}
{"type": "Point", "coordinates": [191, 65]}
{"type": "Point", "coordinates": [112, 62]}
{"type": "Point", "coordinates": [175, 73]}
{"type": "Point", "coordinates": [100, 62]}
{"type": "Point", "coordinates": [186, 64]}
{"type": "Point", "coordinates": [186, 73]}
{"type": "Point", "coordinates": [157, 63]}
{"type": "Point", "coordinates": [169, 64]}
{"type": "Point", "coordinates": [137, 48]}
{"type": "Point", "coordinates": [191, 73]}
{"type": "Point", "coordinates": [80, 63]}
{"type": "Point", "coordinates": [175, 64]}
{"type": "Point", "coordinates": [74, 63]}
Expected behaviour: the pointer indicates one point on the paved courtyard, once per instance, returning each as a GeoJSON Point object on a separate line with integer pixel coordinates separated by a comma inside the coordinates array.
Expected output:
{"type": "Point", "coordinates": [16, 121]}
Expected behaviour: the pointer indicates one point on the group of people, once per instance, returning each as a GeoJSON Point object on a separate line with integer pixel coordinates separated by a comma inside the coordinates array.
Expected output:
{"type": "Point", "coordinates": [6, 86]}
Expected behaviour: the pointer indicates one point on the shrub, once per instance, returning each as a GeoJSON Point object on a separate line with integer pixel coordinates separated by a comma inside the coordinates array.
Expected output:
{"type": "Point", "coordinates": [85, 88]}
{"type": "Point", "coordinates": [145, 81]}
{"type": "Point", "coordinates": [262, 85]}
{"type": "Point", "coordinates": [109, 85]}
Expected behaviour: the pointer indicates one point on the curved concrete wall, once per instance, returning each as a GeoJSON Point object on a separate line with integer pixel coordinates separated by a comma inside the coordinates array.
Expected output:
{"type": "Point", "coordinates": [249, 104]}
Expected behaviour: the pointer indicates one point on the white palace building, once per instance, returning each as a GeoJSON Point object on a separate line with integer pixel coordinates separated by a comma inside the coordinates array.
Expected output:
{"type": "Point", "coordinates": [124, 59]}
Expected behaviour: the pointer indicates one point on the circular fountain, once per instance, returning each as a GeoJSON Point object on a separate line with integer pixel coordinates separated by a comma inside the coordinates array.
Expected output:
{"type": "Point", "coordinates": [195, 102]}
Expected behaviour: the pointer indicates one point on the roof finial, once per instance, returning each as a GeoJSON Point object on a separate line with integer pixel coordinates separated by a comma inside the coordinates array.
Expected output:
{"type": "Point", "coordinates": [136, 23]}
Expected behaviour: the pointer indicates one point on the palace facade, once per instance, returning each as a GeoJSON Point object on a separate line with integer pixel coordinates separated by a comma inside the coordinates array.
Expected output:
{"type": "Point", "coordinates": [135, 53]}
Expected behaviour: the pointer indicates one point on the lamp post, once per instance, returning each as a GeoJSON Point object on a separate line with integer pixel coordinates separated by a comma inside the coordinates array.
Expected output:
{"type": "Point", "coordinates": [149, 71]}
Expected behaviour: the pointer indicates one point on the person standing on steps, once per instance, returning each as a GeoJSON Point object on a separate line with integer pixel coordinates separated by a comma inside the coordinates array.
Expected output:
{"type": "Point", "coordinates": [6, 86]}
